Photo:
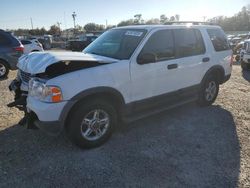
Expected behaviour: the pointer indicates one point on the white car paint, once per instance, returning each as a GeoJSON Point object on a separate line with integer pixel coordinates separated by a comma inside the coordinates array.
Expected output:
{"type": "Point", "coordinates": [32, 46]}
{"type": "Point", "coordinates": [35, 63]}
{"type": "Point", "coordinates": [135, 82]}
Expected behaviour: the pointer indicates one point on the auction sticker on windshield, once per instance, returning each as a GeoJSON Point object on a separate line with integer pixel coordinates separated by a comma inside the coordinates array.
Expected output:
{"type": "Point", "coordinates": [134, 33]}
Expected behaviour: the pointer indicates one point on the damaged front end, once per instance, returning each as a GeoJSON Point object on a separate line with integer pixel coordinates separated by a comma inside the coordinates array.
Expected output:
{"type": "Point", "coordinates": [19, 95]}
{"type": "Point", "coordinates": [45, 66]}
{"type": "Point", "coordinates": [20, 89]}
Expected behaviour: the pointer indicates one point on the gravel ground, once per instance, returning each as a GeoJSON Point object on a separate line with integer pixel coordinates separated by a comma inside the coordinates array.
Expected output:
{"type": "Point", "coordinates": [185, 147]}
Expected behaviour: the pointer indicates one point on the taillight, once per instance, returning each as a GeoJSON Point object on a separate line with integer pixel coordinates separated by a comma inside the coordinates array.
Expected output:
{"type": "Point", "coordinates": [19, 48]}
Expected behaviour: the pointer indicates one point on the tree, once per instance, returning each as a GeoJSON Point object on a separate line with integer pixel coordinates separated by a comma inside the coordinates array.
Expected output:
{"type": "Point", "coordinates": [177, 17]}
{"type": "Point", "coordinates": [126, 23]}
{"type": "Point", "coordinates": [238, 22]}
{"type": "Point", "coordinates": [90, 27]}
{"type": "Point", "coordinates": [163, 19]}
{"type": "Point", "coordinates": [79, 29]}
{"type": "Point", "coordinates": [110, 27]}
{"type": "Point", "coordinates": [54, 30]}
{"type": "Point", "coordinates": [153, 21]}
{"type": "Point", "coordinates": [137, 19]}
{"type": "Point", "coordinates": [172, 19]}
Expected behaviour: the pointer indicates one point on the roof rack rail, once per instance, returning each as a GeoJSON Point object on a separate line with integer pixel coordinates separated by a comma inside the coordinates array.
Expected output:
{"type": "Point", "coordinates": [189, 22]}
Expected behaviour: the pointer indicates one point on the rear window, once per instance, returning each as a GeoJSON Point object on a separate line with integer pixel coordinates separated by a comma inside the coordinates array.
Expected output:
{"type": "Point", "coordinates": [24, 42]}
{"type": "Point", "coordinates": [188, 42]}
{"type": "Point", "coordinates": [4, 40]}
{"type": "Point", "coordinates": [218, 39]}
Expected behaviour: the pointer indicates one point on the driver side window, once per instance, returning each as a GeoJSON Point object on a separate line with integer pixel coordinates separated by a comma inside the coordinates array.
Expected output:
{"type": "Point", "coordinates": [160, 45]}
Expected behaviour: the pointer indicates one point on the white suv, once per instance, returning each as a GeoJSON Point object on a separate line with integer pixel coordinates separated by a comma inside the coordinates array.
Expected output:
{"type": "Point", "coordinates": [126, 74]}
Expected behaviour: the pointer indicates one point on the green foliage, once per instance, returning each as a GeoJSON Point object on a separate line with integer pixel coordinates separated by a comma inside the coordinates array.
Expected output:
{"type": "Point", "coordinates": [153, 21]}
{"type": "Point", "coordinates": [93, 27]}
{"type": "Point", "coordinates": [54, 30]}
{"type": "Point", "coordinates": [26, 32]}
{"type": "Point", "coordinates": [238, 22]}
{"type": "Point", "coordinates": [126, 22]}
{"type": "Point", "coordinates": [138, 20]}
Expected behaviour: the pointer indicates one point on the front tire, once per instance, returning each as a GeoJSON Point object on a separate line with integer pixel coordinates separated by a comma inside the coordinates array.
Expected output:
{"type": "Point", "coordinates": [4, 69]}
{"type": "Point", "coordinates": [91, 123]}
{"type": "Point", "coordinates": [209, 91]}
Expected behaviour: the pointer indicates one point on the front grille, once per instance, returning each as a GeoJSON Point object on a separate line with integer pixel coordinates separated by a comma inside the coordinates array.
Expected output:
{"type": "Point", "coordinates": [25, 77]}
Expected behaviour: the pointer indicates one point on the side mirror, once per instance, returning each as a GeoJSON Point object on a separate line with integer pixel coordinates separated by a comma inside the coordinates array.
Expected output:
{"type": "Point", "coordinates": [146, 58]}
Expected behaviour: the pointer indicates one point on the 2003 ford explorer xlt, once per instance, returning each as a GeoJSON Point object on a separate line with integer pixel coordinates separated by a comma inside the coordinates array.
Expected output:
{"type": "Point", "coordinates": [125, 74]}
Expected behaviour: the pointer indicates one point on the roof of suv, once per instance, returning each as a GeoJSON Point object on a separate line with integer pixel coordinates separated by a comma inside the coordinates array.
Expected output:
{"type": "Point", "coordinates": [151, 27]}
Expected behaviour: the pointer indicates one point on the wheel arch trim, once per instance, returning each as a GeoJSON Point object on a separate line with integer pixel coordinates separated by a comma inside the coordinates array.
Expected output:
{"type": "Point", "coordinates": [87, 93]}
{"type": "Point", "coordinates": [215, 68]}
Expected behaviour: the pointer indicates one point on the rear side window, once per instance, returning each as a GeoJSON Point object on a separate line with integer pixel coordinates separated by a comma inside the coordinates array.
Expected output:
{"type": "Point", "coordinates": [161, 44]}
{"type": "Point", "coordinates": [24, 42]}
{"type": "Point", "coordinates": [4, 40]}
{"type": "Point", "coordinates": [188, 42]}
{"type": "Point", "coordinates": [218, 39]}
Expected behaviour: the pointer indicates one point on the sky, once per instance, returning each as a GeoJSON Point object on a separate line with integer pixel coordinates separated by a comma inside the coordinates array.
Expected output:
{"type": "Point", "coordinates": [44, 13]}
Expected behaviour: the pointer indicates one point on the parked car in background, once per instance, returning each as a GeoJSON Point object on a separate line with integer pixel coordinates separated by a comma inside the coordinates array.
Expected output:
{"type": "Point", "coordinates": [32, 46]}
{"type": "Point", "coordinates": [245, 56]}
{"type": "Point", "coordinates": [80, 44]}
{"type": "Point", "coordinates": [126, 74]}
{"type": "Point", "coordinates": [10, 50]}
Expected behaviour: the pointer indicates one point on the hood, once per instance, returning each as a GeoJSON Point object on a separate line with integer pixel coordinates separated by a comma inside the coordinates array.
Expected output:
{"type": "Point", "coordinates": [35, 63]}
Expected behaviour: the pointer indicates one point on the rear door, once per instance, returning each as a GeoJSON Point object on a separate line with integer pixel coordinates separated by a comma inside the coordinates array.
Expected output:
{"type": "Point", "coordinates": [191, 54]}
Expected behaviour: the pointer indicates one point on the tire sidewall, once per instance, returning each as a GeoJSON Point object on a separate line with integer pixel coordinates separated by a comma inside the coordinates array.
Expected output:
{"type": "Point", "coordinates": [7, 69]}
{"type": "Point", "coordinates": [243, 65]}
{"type": "Point", "coordinates": [202, 98]}
{"type": "Point", "coordinates": [74, 125]}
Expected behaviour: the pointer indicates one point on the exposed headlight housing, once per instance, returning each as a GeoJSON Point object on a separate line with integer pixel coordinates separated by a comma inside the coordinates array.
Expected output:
{"type": "Point", "coordinates": [43, 92]}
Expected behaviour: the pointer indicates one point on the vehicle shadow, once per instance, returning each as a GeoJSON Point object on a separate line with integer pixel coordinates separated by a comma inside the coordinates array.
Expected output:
{"type": "Point", "coordinates": [246, 75]}
{"type": "Point", "coordinates": [2, 79]}
{"type": "Point", "coordinates": [184, 147]}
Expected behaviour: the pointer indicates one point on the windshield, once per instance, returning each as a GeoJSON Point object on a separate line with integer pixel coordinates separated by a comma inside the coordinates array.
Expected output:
{"type": "Point", "coordinates": [117, 43]}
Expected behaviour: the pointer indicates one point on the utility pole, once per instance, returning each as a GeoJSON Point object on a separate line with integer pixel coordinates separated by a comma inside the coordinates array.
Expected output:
{"type": "Point", "coordinates": [74, 19]}
{"type": "Point", "coordinates": [59, 24]}
{"type": "Point", "coordinates": [31, 23]}
{"type": "Point", "coordinates": [106, 24]}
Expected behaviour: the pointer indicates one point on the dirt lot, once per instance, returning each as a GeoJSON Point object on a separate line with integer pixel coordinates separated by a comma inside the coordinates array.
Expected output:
{"type": "Point", "coordinates": [185, 147]}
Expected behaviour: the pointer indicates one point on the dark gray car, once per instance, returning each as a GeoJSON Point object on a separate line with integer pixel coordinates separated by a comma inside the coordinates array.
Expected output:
{"type": "Point", "coordinates": [10, 50]}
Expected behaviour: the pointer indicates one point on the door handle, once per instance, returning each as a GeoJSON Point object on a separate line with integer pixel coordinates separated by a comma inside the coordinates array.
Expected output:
{"type": "Point", "coordinates": [173, 66]}
{"type": "Point", "coordinates": [205, 59]}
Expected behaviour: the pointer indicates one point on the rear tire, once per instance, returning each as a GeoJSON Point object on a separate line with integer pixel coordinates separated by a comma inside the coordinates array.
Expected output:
{"type": "Point", "coordinates": [245, 66]}
{"type": "Point", "coordinates": [209, 91]}
{"type": "Point", "coordinates": [91, 123]}
{"type": "Point", "coordinates": [4, 69]}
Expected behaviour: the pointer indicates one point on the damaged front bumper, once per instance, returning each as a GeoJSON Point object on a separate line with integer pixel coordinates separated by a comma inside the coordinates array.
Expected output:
{"type": "Point", "coordinates": [20, 95]}
{"type": "Point", "coordinates": [46, 116]}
